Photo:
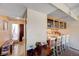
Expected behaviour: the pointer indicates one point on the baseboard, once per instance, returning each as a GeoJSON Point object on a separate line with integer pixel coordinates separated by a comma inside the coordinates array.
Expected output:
{"type": "Point", "coordinates": [74, 49]}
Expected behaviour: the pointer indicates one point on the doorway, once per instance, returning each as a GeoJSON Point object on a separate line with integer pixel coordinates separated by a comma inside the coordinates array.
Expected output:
{"type": "Point", "coordinates": [21, 32]}
{"type": "Point", "coordinates": [18, 32]}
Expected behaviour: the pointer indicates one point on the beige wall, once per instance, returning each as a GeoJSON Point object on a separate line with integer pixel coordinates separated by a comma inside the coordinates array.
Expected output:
{"type": "Point", "coordinates": [36, 27]}
{"type": "Point", "coordinates": [73, 30]}
{"type": "Point", "coordinates": [4, 34]}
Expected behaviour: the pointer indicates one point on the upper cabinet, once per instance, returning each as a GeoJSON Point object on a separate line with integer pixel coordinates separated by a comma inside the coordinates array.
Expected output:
{"type": "Point", "coordinates": [56, 24]}
{"type": "Point", "coordinates": [50, 23]}
{"type": "Point", "coordinates": [65, 25]}
{"type": "Point", "coordinates": [61, 25]}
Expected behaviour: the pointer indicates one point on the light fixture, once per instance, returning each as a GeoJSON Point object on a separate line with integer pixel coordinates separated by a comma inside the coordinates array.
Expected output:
{"type": "Point", "coordinates": [18, 17]}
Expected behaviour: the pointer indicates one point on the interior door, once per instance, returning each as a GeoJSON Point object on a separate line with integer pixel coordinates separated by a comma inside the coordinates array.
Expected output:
{"type": "Point", "coordinates": [21, 35]}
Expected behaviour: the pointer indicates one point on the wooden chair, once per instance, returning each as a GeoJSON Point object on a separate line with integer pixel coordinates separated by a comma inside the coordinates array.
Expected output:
{"type": "Point", "coordinates": [7, 48]}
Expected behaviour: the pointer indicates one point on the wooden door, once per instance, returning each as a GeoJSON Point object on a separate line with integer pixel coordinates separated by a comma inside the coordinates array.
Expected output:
{"type": "Point", "coordinates": [21, 32]}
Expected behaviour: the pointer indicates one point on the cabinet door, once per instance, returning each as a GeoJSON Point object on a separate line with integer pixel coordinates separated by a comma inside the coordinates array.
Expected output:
{"type": "Point", "coordinates": [61, 25]}
{"type": "Point", "coordinates": [65, 25]}
{"type": "Point", "coordinates": [56, 24]}
{"type": "Point", "coordinates": [50, 23]}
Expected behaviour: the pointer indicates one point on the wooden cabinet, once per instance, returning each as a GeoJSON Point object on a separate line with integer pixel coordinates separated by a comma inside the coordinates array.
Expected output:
{"type": "Point", "coordinates": [56, 24]}
{"type": "Point", "coordinates": [50, 23]}
{"type": "Point", "coordinates": [65, 25]}
{"type": "Point", "coordinates": [61, 25]}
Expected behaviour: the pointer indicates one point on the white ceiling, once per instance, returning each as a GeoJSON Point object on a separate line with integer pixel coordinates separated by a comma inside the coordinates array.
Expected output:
{"type": "Point", "coordinates": [74, 7]}
{"type": "Point", "coordinates": [58, 13]}
{"type": "Point", "coordinates": [41, 7]}
{"type": "Point", "coordinates": [12, 10]}
{"type": "Point", "coordinates": [61, 15]}
{"type": "Point", "coordinates": [17, 10]}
